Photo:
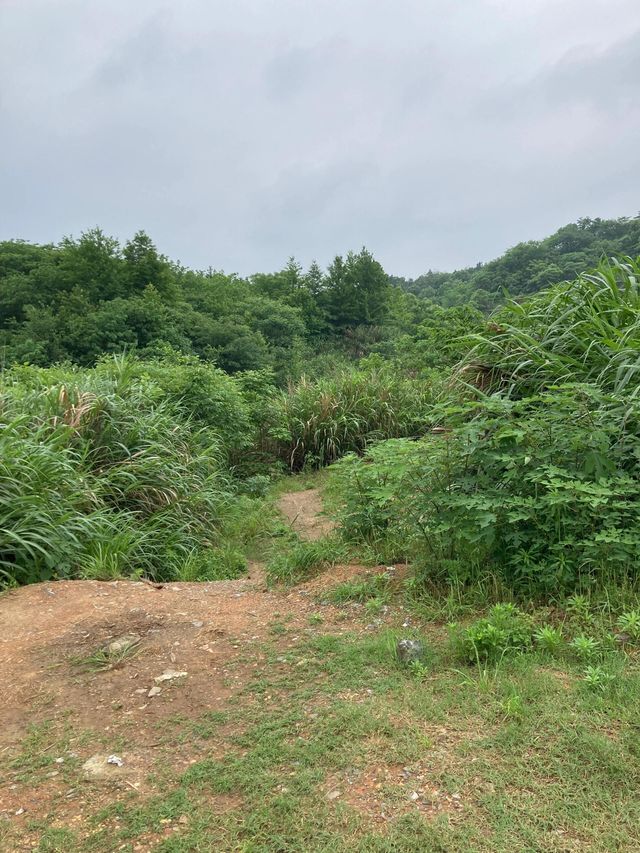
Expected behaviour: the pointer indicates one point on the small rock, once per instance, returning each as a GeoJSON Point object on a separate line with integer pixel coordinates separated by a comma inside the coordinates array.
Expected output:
{"type": "Point", "coordinates": [123, 644]}
{"type": "Point", "coordinates": [333, 795]}
{"type": "Point", "coordinates": [414, 796]}
{"type": "Point", "coordinates": [19, 812]}
{"type": "Point", "coordinates": [409, 650]}
{"type": "Point", "coordinates": [197, 623]}
{"type": "Point", "coordinates": [99, 768]}
{"type": "Point", "coordinates": [155, 691]}
{"type": "Point", "coordinates": [115, 759]}
{"type": "Point", "coordinates": [169, 675]}
{"type": "Point", "coordinates": [59, 760]}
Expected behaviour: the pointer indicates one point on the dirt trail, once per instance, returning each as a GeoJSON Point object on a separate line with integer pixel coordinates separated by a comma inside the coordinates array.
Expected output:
{"type": "Point", "coordinates": [188, 626]}
{"type": "Point", "coordinates": [304, 511]}
{"type": "Point", "coordinates": [215, 632]}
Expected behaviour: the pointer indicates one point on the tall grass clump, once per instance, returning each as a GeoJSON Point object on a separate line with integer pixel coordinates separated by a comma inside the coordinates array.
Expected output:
{"type": "Point", "coordinates": [101, 475]}
{"type": "Point", "coordinates": [587, 330]}
{"type": "Point", "coordinates": [320, 421]}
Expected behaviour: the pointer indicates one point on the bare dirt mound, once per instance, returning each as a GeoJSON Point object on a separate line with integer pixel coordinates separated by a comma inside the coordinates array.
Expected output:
{"type": "Point", "coordinates": [304, 512]}
{"type": "Point", "coordinates": [220, 634]}
{"type": "Point", "coordinates": [197, 646]}
{"type": "Point", "coordinates": [49, 633]}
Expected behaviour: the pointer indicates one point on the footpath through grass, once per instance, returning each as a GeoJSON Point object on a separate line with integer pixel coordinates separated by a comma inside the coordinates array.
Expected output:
{"type": "Point", "coordinates": [332, 745]}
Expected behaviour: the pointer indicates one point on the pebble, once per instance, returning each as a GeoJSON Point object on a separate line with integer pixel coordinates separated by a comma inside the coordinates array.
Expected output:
{"type": "Point", "coordinates": [169, 675]}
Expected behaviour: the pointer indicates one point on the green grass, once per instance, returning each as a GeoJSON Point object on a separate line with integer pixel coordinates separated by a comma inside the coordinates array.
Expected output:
{"type": "Point", "coordinates": [531, 758]}
{"type": "Point", "coordinates": [362, 590]}
{"type": "Point", "coordinates": [303, 559]}
{"type": "Point", "coordinates": [110, 656]}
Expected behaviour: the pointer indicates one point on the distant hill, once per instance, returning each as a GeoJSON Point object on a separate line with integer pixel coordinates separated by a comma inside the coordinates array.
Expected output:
{"type": "Point", "coordinates": [531, 266]}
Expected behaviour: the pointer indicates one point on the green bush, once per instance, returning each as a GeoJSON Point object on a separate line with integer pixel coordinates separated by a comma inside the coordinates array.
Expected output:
{"type": "Point", "coordinates": [101, 476]}
{"type": "Point", "coordinates": [540, 493]}
{"type": "Point", "coordinates": [504, 631]}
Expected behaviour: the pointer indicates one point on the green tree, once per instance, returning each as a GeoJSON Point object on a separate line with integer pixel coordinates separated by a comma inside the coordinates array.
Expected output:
{"type": "Point", "coordinates": [356, 292]}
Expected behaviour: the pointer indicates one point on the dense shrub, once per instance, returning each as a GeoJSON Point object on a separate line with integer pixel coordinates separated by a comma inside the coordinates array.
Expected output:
{"type": "Point", "coordinates": [320, 421]}
{"type": "Point", "coordinates": [537, 484]}
{"type": "Point", "coordinates": [100, 476]}
{"type": "Point", "coordinates": [541, 492]}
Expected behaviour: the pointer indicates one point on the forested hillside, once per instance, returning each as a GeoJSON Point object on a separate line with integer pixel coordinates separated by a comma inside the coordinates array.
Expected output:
{"type": "Point", "coordinates": [90, 296]}
{"type": "Point", "coordinates": [530, 266]}
{"type": "Point", "coordinates": [478, 572]}
{"type": "Point", "coordinates": [85, 297]}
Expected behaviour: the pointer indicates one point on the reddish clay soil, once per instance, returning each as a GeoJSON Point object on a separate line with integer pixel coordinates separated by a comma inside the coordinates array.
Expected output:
{"type": "Point", "coordinates": [304, 512]}
{"type": "Point", "coordinates": [218, 633]}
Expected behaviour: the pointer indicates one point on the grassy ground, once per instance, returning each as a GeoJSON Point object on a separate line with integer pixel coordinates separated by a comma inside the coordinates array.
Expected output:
{"type": "Point", "coordinates": [334, 746]}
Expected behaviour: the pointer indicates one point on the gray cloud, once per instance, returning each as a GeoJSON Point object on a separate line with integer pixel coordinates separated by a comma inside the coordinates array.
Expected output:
{"type": "Point", "coordinates": [240, 132]}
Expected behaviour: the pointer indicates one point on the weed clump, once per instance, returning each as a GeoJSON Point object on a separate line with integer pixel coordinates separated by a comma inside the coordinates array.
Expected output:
{"type": "Point", "coordinates": [304, 559]}
{"type": "Point", "coordinates": [506, 630]}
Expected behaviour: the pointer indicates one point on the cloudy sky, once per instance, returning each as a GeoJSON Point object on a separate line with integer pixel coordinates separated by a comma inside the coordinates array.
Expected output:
{"type": "Point", "coordinates": [239, 132]}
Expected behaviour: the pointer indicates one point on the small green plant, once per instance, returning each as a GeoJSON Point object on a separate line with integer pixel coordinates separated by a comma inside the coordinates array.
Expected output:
{"type": "Point", "coordinates": [513, 708]}
{"type": "Point", "coordinates": [629, 623]}
{"type": "Point", "coordinates": [579, 609]}
{"type": "Point", "coordinates": [112, 655]}
{"type": "Point", "coordinates": [505, 630]}
{"type": "Point", "coordinates": [585, 648]}
{"type": "Point", "coordinates": [418, 670]}
{"type": "Point", "coordinates": [549, 639]}
{"type": "Point", "coordinates": [372, 591]}
{"type": "Point", "coordinates": [597, 678]}
{"type": "Point", "coordinates": [375, 605]}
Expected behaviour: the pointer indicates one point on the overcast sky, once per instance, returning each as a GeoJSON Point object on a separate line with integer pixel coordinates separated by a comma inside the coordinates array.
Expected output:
{"type": "Point", "coordinates": [240, 132]}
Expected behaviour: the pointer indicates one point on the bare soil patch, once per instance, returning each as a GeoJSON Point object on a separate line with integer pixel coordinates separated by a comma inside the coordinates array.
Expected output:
{"type": "Point", "coordinates": [215, 632]}
{"type": "Point", "coordinates": [218, 633]}
{"type": "Point", "coordinates": [304, 512]}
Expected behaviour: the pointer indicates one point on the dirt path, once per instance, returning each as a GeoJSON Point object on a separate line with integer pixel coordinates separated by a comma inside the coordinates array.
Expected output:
{"type": "Point", "coordinates": [304, 511]}
{"type": "Point", "coordinates": [193, 627]}
{"type": "Point", "coordinates": [215, 632]}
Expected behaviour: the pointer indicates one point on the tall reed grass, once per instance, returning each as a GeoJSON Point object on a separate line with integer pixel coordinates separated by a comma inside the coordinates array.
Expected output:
{"type": "Point", "coordinates": [587, 330]}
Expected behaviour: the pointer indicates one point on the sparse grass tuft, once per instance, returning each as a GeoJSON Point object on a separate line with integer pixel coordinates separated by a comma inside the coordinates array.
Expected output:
{"type": "Point", "coordinates": [304, 559]}
{"type": "Point", "coordinates": [112, 655]}
{"type": "Point", "coordinates": [375, 588]}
